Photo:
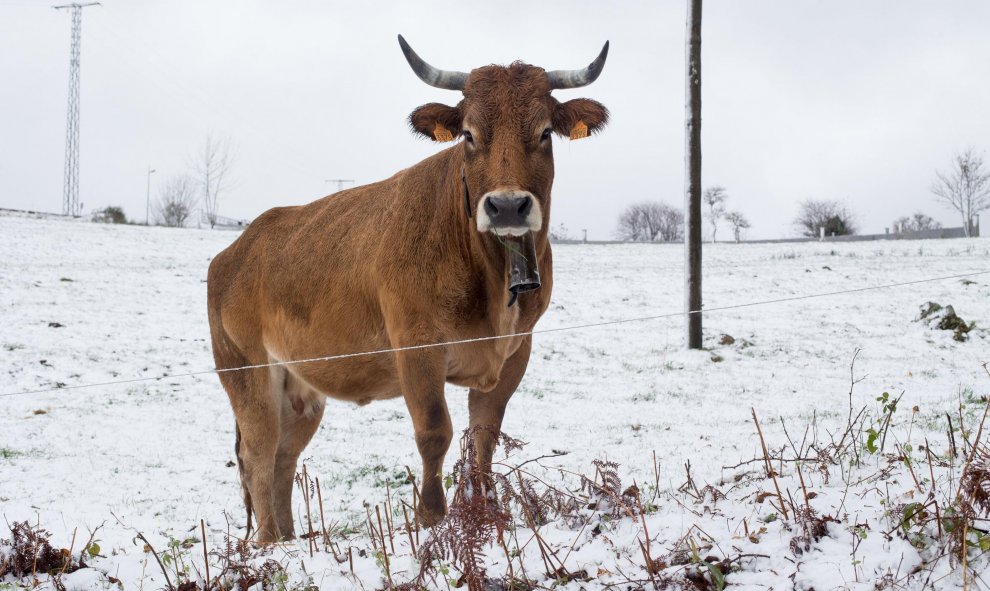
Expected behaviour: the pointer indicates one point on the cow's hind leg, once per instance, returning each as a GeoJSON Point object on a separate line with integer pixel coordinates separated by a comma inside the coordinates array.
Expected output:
{"type": "Point", "coordinates": [487, 409]}
{"type": "Point", "coordinates": [302, 410]}
{"type": "Point", "coordinates": [257, 415]}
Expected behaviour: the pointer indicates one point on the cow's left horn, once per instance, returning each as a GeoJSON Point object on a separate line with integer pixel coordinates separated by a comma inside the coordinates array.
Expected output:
{"type": "Point", "coordinates": [578, 78]}
{"type": "Point", "coordinates": [446, 79]}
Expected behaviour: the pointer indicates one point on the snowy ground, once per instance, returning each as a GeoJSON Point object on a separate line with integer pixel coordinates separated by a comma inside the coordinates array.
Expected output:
{"type": "Point", "coordinates": [88, 303]}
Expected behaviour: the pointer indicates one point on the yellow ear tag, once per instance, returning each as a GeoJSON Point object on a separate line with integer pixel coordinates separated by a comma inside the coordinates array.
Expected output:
{"type": "Point", "coordinates": [442, 134]}
{"type": "Point", "coordinates": [580, 130]}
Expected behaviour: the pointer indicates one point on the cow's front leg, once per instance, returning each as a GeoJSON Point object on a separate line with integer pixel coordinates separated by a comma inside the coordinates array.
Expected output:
{"type": "Point", "coordinates": [422, 377]}
{"type": "Point", "coordinates": [488, 408]}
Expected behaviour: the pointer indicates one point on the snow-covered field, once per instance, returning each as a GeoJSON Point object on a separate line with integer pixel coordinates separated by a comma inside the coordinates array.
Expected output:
{"type": "Point", "coordinates": [86, 303]}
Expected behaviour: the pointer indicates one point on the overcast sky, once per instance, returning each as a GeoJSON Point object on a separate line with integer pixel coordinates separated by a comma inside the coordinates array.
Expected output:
{"type": "Point", "coordinates": [849, 100]}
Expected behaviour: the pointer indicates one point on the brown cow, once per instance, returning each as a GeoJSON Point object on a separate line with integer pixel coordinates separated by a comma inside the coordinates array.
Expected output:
{"type": "Point", "coordinates": [437, 253]}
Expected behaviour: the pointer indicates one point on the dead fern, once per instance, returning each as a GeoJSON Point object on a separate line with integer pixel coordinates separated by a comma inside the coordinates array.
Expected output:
{"type": "Point", "coordinates": [29, 552]}
{"type": "Point", "coordinates": [972, 503]}
{"type": "Point", "coordinates": [975, 486]}
{"type": "Point", "coordinates": [605, 493]}
{"type": "Point", "coordinates": [240, 570]}
{"type": "Point", "coordinates": [485, 506]}
{"type": "Point", "coordinates": [475, 518]}
{"type": "Point", "coordinates": [813, 528]}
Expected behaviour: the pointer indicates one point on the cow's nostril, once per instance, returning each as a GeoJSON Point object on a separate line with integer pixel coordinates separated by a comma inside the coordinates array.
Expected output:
{"type": "Point", "coordinates": [490, 207]}
{"type": "Point", "coordinates": [526, 206]}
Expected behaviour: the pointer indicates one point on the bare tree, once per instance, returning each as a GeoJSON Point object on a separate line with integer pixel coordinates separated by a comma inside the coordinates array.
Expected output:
{"type": "Point", "coordinates": [559, 233]}
{"type": "Point", "coordinates": [211, 166]}
{"type": "Point", "coordinates": [632, 225]}
{"type": "Point", "coordinates": [918, 222]}
{"type": "Point", "coordinates": [714, 198]}
{"type": "Point", "coordinates": [831, 215]}
{"type": "Point", "coordinates": [176, 201]}
{"type": "Point", "coordinates": [670, 223]}
{"type": "Point", "coordinates": [966, 187]}
{"type": "Point", "coordinates": [738, 222]}
{"type": "Point", "coordinates": [650, 221]}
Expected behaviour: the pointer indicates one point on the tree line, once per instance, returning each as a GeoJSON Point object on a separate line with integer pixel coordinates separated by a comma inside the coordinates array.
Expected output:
{"type": "Point", "coordinates": [655, 221]}
{"type": "Point", "coordinates": [964, 187]}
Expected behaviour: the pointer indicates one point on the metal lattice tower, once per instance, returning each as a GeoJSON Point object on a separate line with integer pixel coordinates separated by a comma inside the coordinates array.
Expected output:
{"type": "Point", "coordinates": [340, 183]}
{"type": "Point", "coordinates": [70, 193]}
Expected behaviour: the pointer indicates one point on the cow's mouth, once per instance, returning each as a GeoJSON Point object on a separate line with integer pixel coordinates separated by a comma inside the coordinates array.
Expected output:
{"type": "Point", "coordinates": [524, 273]}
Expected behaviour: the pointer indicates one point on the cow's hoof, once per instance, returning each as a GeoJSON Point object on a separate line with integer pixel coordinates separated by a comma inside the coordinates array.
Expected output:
{"type": "Point", "coordinates": [432, 504]}
{"type": "Point", "coordinates": [428, 518]}
{"type": "Point", "coordinates": [270, 536]}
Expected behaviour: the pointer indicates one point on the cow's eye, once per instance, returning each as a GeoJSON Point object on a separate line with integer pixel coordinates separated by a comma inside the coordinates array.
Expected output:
{"type": "Point", "coordinates": [468, 137]}
{"type": "Point", "coordinates": [546, 134]}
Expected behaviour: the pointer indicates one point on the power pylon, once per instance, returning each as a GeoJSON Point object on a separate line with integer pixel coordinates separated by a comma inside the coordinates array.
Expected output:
{"type": "Point", "coordinates": [340, 183]}
{"type": "Point", "coordinates": [70, 193]}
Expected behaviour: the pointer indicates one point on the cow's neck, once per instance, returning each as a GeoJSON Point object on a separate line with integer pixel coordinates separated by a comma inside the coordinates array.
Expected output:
{"type": "Point", "coordinates": [485, 253]}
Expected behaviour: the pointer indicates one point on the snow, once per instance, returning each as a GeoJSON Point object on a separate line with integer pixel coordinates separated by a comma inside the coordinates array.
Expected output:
{"type": "Point", "coordinates": [90, 303]}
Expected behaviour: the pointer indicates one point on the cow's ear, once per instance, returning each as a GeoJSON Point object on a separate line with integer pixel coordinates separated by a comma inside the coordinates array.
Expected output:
{"type": "Point", "coordinates": [436, 121]}
{"type": "Point", "coordinates": [579, 118]}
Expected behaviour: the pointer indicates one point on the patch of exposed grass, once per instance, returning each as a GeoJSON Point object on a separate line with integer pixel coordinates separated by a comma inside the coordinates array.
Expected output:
{"type": "Point", "coordinates": [9, 453]}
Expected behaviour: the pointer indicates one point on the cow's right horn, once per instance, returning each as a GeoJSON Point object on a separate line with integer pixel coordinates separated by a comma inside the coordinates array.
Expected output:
{"type": "Point", "coordinates": [446, 79]}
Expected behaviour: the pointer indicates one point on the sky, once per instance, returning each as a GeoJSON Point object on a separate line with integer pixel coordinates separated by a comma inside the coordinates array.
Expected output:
{"type": "Point", "coordinates": [853, 101]}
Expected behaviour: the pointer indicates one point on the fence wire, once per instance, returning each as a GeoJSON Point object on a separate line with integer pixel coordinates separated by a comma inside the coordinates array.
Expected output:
{"type": "Point", "coordinates": [329, 358]}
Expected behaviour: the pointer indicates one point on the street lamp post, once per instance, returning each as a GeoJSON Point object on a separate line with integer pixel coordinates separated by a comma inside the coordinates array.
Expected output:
{"type": "Point", "coordinates": [147, 196]}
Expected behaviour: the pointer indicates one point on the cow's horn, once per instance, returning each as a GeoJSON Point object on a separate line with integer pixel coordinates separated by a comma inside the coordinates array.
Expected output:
{"type": "Point", "coordinates": [446, 79]}
{"type": "Point", "coordinates": [578, 78]}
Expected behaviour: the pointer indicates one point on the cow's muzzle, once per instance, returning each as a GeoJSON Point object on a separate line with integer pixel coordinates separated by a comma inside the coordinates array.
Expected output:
{"type": "Point", "coordinates": [509, 213]}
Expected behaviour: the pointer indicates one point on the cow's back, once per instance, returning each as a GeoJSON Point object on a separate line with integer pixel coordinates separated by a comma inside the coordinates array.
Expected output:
{"type": "Point", "coordinates": [304, 282]}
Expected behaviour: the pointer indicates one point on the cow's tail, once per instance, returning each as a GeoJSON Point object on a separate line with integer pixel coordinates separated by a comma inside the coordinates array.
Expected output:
{"type": "Point", "coordinates": [240, 470]}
